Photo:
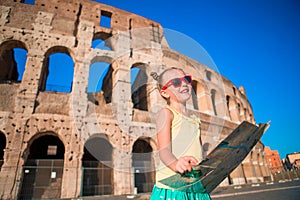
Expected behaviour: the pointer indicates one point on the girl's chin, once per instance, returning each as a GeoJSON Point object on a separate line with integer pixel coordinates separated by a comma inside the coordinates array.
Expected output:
{"type": "Point", "coordinates": [185, 98]}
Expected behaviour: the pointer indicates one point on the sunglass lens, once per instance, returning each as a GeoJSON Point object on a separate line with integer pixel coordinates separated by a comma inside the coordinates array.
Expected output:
{"type": "Point", "coordinates": [188, 79]}
{"type": "Point", "coordinates": [176, 82]}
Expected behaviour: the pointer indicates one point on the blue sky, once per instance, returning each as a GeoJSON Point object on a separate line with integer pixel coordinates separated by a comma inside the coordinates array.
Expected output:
{"type": "Point", "coordinates": [254, 43]}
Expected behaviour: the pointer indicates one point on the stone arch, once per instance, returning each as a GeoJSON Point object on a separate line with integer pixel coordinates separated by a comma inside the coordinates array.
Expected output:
{"type": "Point", "coordinates": [239, 109]}
{"type": "Point", "coordinates": [2, 148]}
{"type": "Point", "coordinates": [10, 66]}
{"type": "Point", "coordinates": [104, 77]}
{"type": "Point", "coordinates": [102, 40]}
{"type": "Point", "coordinates": [232, 108]}
{"type": "Point", "coordinates": [56, 80]}
{"type": "Point", "coordinates": [213, 94]}
{"type": "Point", "coordinates": [35, 146]}
{"type": "Point", "coordinates": [251, 118]}
{"type": "Point", "coordinates": [242, 112]}
{"type": "Point", "coordinates": [246, 114]}
{"type": "Point", "coordinates": [208, 75]}
{"type": "Point", "coordinates": [194, 97]}
{"type": "Point", "coordinates": [139, 86]}
{"type": "Point", "coordinates": [143, 165]}
{"type": "Point", "coordinates": [228, 101]}
{"type": "Point", "coordinates": [204, 99]}
{"type": "Point", "coordinates": [97, 72]}
{"type": "Point", "coordinates": [234, 90]}
{"type": "Point", "coordinates": [61, 49]}
{"type": "Point", "coordinates": [43, 168]}
{"type": "Point", "coordinates": [97, 166]}
{"type": "Point", "coordinates": [249, 113]}
{"type": "Point", "coordinates": [218, 100]}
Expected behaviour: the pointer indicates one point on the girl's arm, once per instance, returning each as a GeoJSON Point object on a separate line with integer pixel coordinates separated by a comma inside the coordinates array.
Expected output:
{"type": "Point", "coordinates": [163, 129]}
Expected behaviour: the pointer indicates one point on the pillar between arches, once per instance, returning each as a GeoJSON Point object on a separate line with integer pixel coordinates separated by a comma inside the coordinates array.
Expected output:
{"type": "Point", "coordinates": [123, 179]}
{"type": "Point", "coordinates": [72, 177]}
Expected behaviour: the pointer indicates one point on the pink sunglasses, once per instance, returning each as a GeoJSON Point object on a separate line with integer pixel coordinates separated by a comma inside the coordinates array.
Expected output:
{"type": "Point", "coordinates": [177, 82]}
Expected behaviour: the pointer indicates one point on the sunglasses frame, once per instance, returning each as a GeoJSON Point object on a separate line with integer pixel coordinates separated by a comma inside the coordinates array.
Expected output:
{"type": "Point", "coordinates": [171, 82]}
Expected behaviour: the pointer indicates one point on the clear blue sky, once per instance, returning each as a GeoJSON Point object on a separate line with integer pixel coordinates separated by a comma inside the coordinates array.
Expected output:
{"type": "Point", "coordinates": [254, 43]}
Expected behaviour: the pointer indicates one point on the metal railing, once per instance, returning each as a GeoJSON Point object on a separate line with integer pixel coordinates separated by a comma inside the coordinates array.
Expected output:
{"type": "Point", "coordinates": [96, 179]}
{"type": "Point", "coordinates": [41, 179]}
{"type": "Point", "coordinates": [287, 175]}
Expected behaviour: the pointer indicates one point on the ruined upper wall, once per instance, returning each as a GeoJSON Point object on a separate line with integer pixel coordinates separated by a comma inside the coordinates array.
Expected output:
{"type": "Point", "coordinates": [69, 26]}
{"type": "Point", "coordinates": [64, 16]}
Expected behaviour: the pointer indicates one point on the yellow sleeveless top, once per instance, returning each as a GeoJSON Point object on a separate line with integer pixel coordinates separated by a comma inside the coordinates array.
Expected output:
{"type": "Point", "coordinates": [185, 133]}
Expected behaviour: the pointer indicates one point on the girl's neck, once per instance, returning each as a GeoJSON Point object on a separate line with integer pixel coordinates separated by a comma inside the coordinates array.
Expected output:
{"type": "Point", "coordinates": [181, 108]}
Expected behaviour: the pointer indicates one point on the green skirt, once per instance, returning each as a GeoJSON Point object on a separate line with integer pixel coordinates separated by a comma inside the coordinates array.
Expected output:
{"type": "Point", "coordinates": [161, 193]}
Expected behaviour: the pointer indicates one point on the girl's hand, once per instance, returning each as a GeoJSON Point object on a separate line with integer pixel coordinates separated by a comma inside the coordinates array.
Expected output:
{"type": "Point", "coordinates": [185, 163]}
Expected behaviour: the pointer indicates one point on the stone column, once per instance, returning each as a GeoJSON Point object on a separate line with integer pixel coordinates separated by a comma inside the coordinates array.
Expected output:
{"type": "Point", "coordinates": [234, 111]}
{"type": "Point", "coordinates": [25, 100]}
{"type": "Point", "coordinates": [11, 170]}
{"type": "Point", "coordinates": [238, 177]}
{"type": "Point", "coordinates": [72, 175]}
{"type": "Point", "coordinates": [121, 98]}
{"type": "Point", "coordinates": [123, 180]}
{"type": "Point", "coordinates": [205, 103]}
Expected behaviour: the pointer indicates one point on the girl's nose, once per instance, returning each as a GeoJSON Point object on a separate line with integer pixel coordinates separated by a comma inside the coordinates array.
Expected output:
{"type": "Point", "coordinates": [183, 83]}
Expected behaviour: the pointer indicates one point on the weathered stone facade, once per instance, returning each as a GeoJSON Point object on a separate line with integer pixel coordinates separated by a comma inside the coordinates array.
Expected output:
{"type": "Point", "coordinates": [117, 122]}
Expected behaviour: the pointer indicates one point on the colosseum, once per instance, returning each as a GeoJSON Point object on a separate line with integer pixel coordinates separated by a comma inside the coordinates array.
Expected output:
{"type": "Point", "coordinates": [63, 135]}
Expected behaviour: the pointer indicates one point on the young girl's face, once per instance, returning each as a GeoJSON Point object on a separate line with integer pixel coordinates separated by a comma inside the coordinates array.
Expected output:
{"type": "Point", "coordinates": [177, 86]}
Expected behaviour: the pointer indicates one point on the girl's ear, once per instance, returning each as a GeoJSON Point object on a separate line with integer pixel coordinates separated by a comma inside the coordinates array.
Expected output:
{"type": "Point", "coordinates": [165, 94]}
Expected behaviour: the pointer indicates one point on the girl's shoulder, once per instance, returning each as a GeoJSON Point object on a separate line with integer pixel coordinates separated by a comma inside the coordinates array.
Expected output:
{"type": "Point", "coordinates": [166, 113]}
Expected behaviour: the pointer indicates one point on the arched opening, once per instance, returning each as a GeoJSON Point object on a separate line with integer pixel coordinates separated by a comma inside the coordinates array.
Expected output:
{"type": "Point", "coordinates": [213, 100]}
{"type": "Point", "coordinates": [100, 44]}
{"type": "Point", "coordinates": [208, 75]}
{"type": "Point", "coordinates": [101, 41]}
{"type": "Point", "coordinates": [143, 166]}
{"type": "Point", "coordinates": [97, 73]}
{"type": "Point", "coordinates": [228, 106]}
{"type": "Point", "coordinates": [43, 169]}
{"type": "Point", "coordinates": [246, 114]}
{"type": "Point", "coordinates": [251, 118]}
{"type": "Point", "coordinates": [97, 167]}
{"type": "Point", "coordinates": [2, 147]}
{"type": "Point", "coordinates": [194, 95]}
{"type": "Point", "coordinates": [139, 80]}
{"type": "Point", "coordinates": [234, 90]}
{"type": "Point", "coordinates": [58, 71]}
{"type": "Point", "coordinates": [100, 82]}
{"type": "Point", "coordinates": [239, 110]}
{"type": "Point", "coordinates": [13, 55]}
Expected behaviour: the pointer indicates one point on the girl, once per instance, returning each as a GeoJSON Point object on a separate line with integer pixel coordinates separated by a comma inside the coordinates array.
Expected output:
{"type": "Point", "coordinates": [178, 135]}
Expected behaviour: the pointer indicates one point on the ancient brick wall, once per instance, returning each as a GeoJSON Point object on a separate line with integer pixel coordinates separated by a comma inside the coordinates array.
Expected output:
{"type": "Point", "coordinates": [116, 124]}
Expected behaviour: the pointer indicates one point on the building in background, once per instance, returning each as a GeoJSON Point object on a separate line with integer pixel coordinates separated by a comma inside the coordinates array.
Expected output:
{"type": "Point", "coordinates": [273, 160]}
{"type": "Point", "coordinates": [88, 127]}
{"type": "Point", "coordinates": [292, 161]}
